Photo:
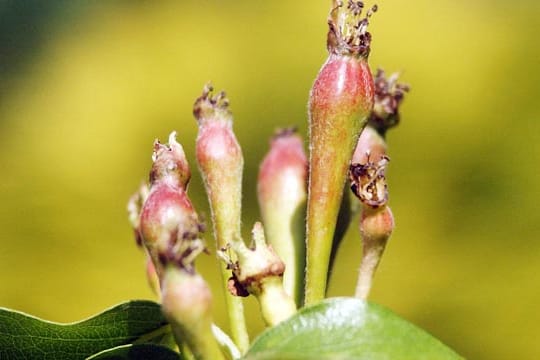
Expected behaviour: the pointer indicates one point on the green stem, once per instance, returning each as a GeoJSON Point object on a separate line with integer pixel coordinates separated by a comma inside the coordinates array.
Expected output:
{"type": "Point", "coordinates": [226, 210]}
{"type": "Point", "coordinates": [235, 311]}
{"type": "Point", "coordinates": [226, 344]}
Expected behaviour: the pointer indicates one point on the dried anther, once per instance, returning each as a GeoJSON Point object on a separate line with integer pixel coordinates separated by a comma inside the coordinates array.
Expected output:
{"type": "Point", "coordinates": [388, 97]}
{"type": "Point", "coordinates": [368, 182]}
{"type": "Point", "coordinates": [209, 105]}
{"type": "Point", "coordinates": [183, 247]}
{"type": "Point", "coordinates": [284, 132]}
{"type": "Point", "coordinates": [347, 34]}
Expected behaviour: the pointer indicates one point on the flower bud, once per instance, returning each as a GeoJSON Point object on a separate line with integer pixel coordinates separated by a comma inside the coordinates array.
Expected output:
{"type": "Point", "coordinates": [282, 193]}
{"type": "Point", "coordinates": [341, 100]}
{"type": "Point", "coordinates": [259, 271]}
{"type": "Point", "coordinates": [221, 165]}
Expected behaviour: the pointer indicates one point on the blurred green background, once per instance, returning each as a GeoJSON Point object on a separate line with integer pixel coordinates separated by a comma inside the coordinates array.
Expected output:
{"type": "Point", "coordinates": [85, 87]}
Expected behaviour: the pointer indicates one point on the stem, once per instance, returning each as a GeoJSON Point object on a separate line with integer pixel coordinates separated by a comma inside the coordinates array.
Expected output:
{"type": "Point", "coordinates": [321, 219]}
{"type": "Point", "coordinates": [187, 306]}
{"type": "Point", "coordinates": [235, 310]}
{"type": "Point", "coordinates": [226, 215]}
{"type": "Point", "coordinates": [226, 344]}
{"type": "Point", "coordinates": [368, 266]}
{"type": "Point", "coordinates": [276, 305]}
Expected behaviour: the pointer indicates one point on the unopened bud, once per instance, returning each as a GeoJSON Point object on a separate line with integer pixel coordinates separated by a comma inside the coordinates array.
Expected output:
{"type": "Point", "coordinates": [282, 193]}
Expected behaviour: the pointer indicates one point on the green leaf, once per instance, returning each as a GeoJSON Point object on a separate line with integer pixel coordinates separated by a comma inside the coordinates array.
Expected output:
{"type": "Point", "coordinates": [25, 337]}
{"type": "Point", "coordinates": [137, 352]}
{"type": "Point", "coordinates": [347, 328]}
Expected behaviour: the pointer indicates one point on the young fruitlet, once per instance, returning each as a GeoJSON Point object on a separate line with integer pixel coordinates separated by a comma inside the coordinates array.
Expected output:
{"type": "Point", "coordinates": [282, 194]}
{"type": "Point", "coordinates": [167, 213]}
{"type": "Point", "coordinates": [221, 164]}
{"type": "Point", "coordinates": [339, 104]}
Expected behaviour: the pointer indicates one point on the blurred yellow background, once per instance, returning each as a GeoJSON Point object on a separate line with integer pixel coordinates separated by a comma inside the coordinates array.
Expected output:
{"type": "Point", "coordinates": [85, 87]}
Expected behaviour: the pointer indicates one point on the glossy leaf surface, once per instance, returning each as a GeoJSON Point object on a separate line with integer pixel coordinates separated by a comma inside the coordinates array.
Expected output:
{"type": "Point", "coordinates": [26, 337]}
{"type": "Point", "coordinates": [347, 328]}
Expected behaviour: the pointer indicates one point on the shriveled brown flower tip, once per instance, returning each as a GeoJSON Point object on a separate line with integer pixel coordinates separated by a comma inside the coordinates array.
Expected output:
{"type": "Point", "coordinates": [389, 94]}
{"type": "Point", "coordinates": [170, 163]}
{"type": "Point", "coordinates": [284, 132]}
{"type": "Point", "coordinates": [347, 34]}
{"type": "Point", "coordinates": [368, 182]}
{"type": "Point", "coordinates": [210, 106]}
{"type": "Point", "coordinates": [184, 244]}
